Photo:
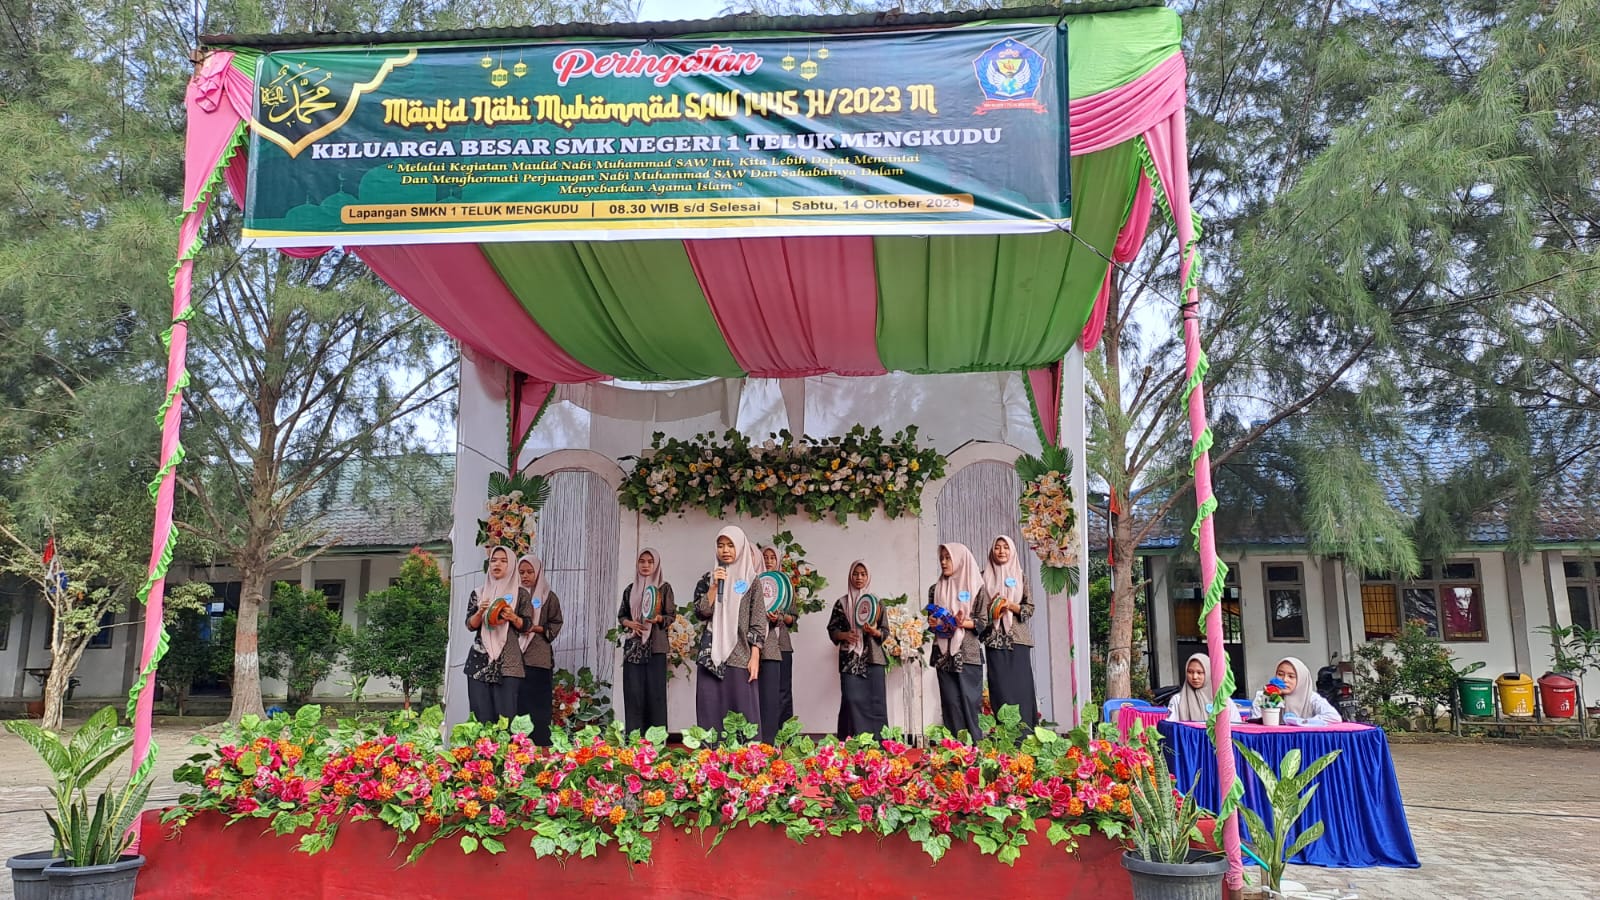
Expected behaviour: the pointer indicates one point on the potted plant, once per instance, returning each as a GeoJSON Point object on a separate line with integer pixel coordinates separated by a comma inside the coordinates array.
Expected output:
{"type": "Point", "coordinates": [1272, 702]}
{"type": "Point", "coordinates": [1163, 863]}
{"type": "Point", "coordinates": [89, 859]}
{"type": "Point", "coordinates": [1289, 792]}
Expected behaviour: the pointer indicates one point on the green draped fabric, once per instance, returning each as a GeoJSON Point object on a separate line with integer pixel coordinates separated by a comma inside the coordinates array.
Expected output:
{"type": "Point", "coordinates": [1011, 301]}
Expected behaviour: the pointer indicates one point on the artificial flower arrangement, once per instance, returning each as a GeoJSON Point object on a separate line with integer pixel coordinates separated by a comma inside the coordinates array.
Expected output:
{"type": "Point", "coordinates": [851, 475]}
{"type": "Point", "coordinates": [1049, 518]}
{"type": "Point", "coordinates": [1272, 694]}
{"type": "Point", "coordinates": [905, 633]}
{"type": "Point", "coordinates": [683, 637]}
{"type": "Point", "coordinates": [514, 503]}
{"type": "Point", "coordinates": [485, 785]}
{"type": "Point", "coordinates": [807, 581]}
{"type": "Point", "coordinates": [578, 700]}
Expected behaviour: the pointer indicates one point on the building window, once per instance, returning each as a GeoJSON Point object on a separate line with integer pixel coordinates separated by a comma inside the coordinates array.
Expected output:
{"type": "Point", "coordinates": [102, 638]}
{"type": "Point", "coordinates": [1286, 601]}
{"type": "Point", "coordinates": [1583, 590]}
{"type": "Point", "coordinates": [334, 592]}
{"type": "Point", "coordinates": [1446, 600]}
{"type": "Point", "coordinates": [1188, 599]}
{"type": "Point", "coordinates": [8, 608]}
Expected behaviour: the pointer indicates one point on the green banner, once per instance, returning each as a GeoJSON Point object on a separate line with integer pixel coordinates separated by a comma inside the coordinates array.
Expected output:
{"type": "Point", "coordinates": [958, 130]}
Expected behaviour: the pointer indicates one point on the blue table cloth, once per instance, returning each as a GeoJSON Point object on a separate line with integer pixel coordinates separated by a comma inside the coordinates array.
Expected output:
{"type": "Point", "coordinates": [1357, 798]}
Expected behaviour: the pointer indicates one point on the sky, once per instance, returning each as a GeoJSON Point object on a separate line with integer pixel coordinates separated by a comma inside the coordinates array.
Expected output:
{"type": "Point", "coordinates": [667, 10]}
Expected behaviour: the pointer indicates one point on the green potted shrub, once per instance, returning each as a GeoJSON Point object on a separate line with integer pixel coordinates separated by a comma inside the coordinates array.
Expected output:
{"type": "Point", "coordinates": [89, 859]}
{"type": "Point", "coordinates": [1289, 791]}
{"type": "Point", "coordinates": [1163, 862]}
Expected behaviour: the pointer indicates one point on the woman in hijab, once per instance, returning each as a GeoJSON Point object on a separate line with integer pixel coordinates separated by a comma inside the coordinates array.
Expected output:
{"type": "Point", "coordinates": [728, 599]}
{"type": "Point", "coordinates": [538, 659]}
{"type": "Point", "coordinates": [863, 700]}
{"type": "Point", "coordinates": [1009, 640]}
{"type": "Point", "coordinates": [777, 663]}
{"type": "Point", "coordinates": [1302, 705]}
{"type": "Point", "coordinates": [644, 652]}
{"type": "Point", "coordinates": [957, 657]}
{"type": "Point", "coordinates": [1192, 703]}
{"type": "Point", "coordinates": [498, 614]}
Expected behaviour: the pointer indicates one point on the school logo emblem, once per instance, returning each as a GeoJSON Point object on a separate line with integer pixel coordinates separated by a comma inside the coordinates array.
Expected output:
{"type": "Point", "coordinates": [1009, 74]}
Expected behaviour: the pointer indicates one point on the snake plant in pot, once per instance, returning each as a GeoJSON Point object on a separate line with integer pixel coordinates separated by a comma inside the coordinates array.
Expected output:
{"type": "Point", "coordinates": [1164, 864]}
{"type": "Point", "coordinates": [91, 834]}
{"type": "Point", "coordinates": [1289, 791]}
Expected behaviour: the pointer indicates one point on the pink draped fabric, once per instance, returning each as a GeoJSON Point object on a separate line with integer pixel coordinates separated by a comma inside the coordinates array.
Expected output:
{"type": "Point", "coordinates": [1046, 386]}
{"type": "Point", "coordinates": [1170, 152]}
{"type": "Point", "coordinates": [1107, 119]}
{"type": "Point", "coordinates": [793, 306]}
{"type": "Point", "coordinates": [454, 285]}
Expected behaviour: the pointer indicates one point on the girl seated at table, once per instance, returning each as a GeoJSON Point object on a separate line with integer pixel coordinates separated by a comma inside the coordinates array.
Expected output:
{"type": "Point", "coordinates": [1193, 702]}
{"type": "Point", "coordinates": [1302, 705]}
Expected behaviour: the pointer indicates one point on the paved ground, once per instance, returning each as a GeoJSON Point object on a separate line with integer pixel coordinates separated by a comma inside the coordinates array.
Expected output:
{"type": "Point", "coordinates": [1490, 820]}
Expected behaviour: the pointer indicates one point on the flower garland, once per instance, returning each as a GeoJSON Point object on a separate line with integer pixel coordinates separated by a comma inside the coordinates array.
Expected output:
{"type": "Point", "coordinates": [514, 503]}
{"type": "Point", "coordinates": [852, 475]}
{"type": "Point", "coordinates": [807, 581]}
{"type": "Point", "coordinates": [484, 785]}
{"type": "Point", "coordinates": [1049, 517]}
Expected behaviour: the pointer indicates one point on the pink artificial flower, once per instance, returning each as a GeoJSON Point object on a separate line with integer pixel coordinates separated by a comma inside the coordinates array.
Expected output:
{"type": "Point", "coordinates": [497, 817]}
{"type": "Point", "coordinates": [864, 813]}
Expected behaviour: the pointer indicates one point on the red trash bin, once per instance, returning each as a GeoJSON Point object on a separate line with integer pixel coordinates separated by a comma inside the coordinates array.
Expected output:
{"type": "Point", "coordinates": [1558, 695]}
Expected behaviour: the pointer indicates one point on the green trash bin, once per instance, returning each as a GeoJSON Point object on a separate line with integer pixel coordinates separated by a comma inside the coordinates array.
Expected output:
{"type": "Point", "coordinates": [1477, 697]}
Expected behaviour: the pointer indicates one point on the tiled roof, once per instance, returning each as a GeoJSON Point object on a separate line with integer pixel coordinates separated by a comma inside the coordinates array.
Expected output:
{"type": "Point", "coordinates": [382, 502]}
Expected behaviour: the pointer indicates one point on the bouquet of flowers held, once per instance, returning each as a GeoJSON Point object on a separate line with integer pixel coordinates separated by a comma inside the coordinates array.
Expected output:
{"type": "Point", "coordinates": [941, 621]}
{"type": "Point", "coordinates": [807, 581]}
{"type": "Point", "coordinates": [904, 632]}
{"type": "Point", "coordinates": [1050, 520]}
{"type": "Point", "coordinates": [682, 638]}
{"type": "Point", "coordinates": [514, 501]}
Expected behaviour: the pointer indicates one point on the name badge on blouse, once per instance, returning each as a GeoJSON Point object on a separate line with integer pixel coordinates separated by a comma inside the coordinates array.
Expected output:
{"type": "Point", "coordinates": [538, 602]}
{"type": "Point", "coordinates": [1011, 582]}
{"type": "Point", "coordinates": [964, 596]}
{"type": "Point", "coordinates": [739, 587]}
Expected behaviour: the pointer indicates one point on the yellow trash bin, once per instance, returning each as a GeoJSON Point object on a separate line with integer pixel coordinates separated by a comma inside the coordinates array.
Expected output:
{"type": "Point", "coordinates": [1516, 693]}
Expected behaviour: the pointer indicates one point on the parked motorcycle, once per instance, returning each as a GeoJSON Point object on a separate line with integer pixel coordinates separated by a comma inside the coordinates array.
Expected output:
{"type": "Point", "coordinates": [1335, 682]}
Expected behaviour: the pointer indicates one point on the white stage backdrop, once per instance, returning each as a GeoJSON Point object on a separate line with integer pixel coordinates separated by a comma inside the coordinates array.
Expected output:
{"type": "Point", "coordinates": [981, 421]}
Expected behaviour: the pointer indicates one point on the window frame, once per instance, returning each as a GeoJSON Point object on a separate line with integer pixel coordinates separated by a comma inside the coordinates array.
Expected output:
{"type": "Point", "coordinates": [1589, 580]}
{"type": "Point", "coordinates": [1435, 582]}
{"type": "Point", "coordinates": [107, 629]}
{"type": "Point", "coordinates": [1187, 580]}
{"type": "Point", "coordinates": [336, 606]}
{"type": "Point", "coordinates": [1299, 586]}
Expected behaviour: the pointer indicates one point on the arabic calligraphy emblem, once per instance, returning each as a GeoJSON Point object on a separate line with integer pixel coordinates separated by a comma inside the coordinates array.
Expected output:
{"type": "Point", "coordinates": [299, 102]}
{"type": "Point", "coordinates": [1009, 73]}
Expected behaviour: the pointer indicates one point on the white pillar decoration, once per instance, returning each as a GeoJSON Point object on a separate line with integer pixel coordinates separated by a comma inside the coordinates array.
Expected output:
{"type": "Point", "coordinates": [794, 404]}
{"type": "Point", "coordinates": [481, 448]}
{"type": "Point", "coordinates": [1070, 676]}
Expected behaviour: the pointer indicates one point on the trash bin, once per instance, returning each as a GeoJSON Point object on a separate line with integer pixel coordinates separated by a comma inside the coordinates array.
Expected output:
{"type": "Point", "coordinates": [1477, 696]}
{"type": "Point", "coordinates": [1516, 693]}
{"type": "Point", "coordinates": [1558, 696]}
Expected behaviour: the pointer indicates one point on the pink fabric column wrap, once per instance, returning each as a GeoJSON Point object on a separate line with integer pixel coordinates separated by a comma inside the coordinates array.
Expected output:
{"type": "Point", "coordinates": [1170, 152]}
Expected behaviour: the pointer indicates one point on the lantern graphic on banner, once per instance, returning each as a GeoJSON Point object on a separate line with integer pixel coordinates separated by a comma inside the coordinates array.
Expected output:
{"type": "Point", "coordinates": [787, 62]}
{"type": "Point", "coordinates": [486, 62]}
{"type": "Point", "coordinates": [808, 69]}
{"type": "Point", "coordinates": [521, 68]}
{"type": "Point", "coordinates": [499, 77]}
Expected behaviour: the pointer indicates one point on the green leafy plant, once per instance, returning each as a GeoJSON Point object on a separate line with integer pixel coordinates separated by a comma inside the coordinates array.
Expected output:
{"type": "Point", "coordinates": [855, 474]}
{"type": "Point", "coordinates": [1289, 791]}
{"type": "Point", "coordinates": [192, 655]}
{"type": "Point", "coordinates": [406, 632]}
{"type": "Point", "coordinates": [1573, 650]}
{"type": "Point", "coordinates": [86, 836]}
{"type": "Point", "coordinates": [1410, 674]}
{"type": "Point", "coordinates": [301, 640]}
{"type": "Point", "coordinates": [1049, 517]}
{"type": "Point", "coordinates": [1165, 823]}
{"type": "Point", "coordinates": [579, 700]}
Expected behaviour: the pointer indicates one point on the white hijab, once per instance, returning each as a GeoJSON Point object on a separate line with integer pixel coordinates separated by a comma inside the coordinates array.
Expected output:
{"type": "Point", "coordinates": [494, 636]}
{"type": "Point", "coordinates": [1298, 701]}
{"type": "Point", "coordinates": [996, 576]}
{"type": "Point", "coordinates": [746, 565]}
{"type": "Point", "coordinates": [539, 593]}
{"type": "Point", "coordinates": [947, 593]}
{"type": "Point", "coordinates": [640, 583]}
{"type": "Point", "coordinates": [851, 596]}
{"type": "Point", "coordinates": [1194, 705]}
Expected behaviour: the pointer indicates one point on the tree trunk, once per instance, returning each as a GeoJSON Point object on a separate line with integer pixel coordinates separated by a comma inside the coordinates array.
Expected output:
{"type": "Point", "coordinates": [64, 657]}
{"type": "Point", "coordinates": [1119, 669]}
{"type": "Point", "coordinates": [246, 654]}
{"type": "Point", "coordinates": [405, 694]}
